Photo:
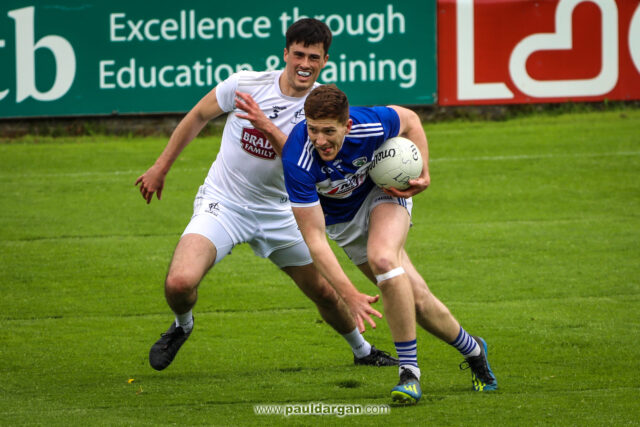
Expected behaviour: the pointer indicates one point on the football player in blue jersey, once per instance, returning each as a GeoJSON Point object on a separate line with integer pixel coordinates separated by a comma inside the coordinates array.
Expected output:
{"type": "Point", "coordinates": [326, 162]}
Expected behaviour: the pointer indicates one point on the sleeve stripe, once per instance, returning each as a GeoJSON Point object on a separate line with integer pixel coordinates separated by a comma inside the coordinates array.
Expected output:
{"type": "Point", "coordinates": [366, 125]}
{"type": "Point", "coordinates": [361, 131]}
{"type": "Point", "coordinates": [365, 135]}
{"type": "Point", "coordinates": [306, 158]}
{"type": "Point", "coordinates": [364, 130]}
{"type": "Point", "coordinates": [304, 205]}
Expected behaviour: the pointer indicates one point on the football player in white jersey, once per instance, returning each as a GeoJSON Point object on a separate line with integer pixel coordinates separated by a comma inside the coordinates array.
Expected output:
{"type": "Point", "coordinates": [243, 198]}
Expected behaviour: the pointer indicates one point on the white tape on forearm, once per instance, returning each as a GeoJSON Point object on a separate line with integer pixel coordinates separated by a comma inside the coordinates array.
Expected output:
{"type": "Point", "coordinates": [389, 274]}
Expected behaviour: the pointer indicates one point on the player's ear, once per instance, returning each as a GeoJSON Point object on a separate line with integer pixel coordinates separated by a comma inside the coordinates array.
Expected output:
{"type": "Point", "coordinates": [285, 54]}
{"type": "Point", "coordinates": [349, 124]}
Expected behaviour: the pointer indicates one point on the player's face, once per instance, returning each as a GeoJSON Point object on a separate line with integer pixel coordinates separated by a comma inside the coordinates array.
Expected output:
{"type": "Point", "coordinates": [327, 136]}
{"type": "Point", "coordinates": [303, 67]}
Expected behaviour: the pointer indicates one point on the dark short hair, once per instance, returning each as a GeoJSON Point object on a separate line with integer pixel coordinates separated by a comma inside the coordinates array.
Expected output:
{"type": "Point", "coordinates": [327, 102]}
{"type": "Point", "coordinates": [309, 31]}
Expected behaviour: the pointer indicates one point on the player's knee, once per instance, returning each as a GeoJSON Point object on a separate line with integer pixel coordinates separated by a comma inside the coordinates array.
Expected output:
{"type": "Point", "coordinates": [179, 283]}
{"type": "Point", "coordinates": [381, 263]}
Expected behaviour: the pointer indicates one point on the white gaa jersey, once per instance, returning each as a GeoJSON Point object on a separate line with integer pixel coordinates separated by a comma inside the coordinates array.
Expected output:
{"type": "Point", "coordinates": [247, 170]}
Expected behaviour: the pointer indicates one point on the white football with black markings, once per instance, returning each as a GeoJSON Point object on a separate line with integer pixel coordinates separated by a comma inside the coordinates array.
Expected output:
{"type": "Point", "coordinates": [395, 162]}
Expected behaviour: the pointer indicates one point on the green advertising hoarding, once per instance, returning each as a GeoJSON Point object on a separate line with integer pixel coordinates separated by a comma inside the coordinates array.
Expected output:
{"type": "Point", "coordinates": [68, 57]}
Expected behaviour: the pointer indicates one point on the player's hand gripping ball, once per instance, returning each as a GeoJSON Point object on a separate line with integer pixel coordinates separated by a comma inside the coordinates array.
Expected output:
{"type": "Point", "coordinates": [395, 162]}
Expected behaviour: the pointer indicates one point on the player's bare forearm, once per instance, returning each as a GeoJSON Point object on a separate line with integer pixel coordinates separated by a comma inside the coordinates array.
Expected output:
{"type": "Point", "coordinates": [184, 133]}
{"type": "Point", "coordinates": [359, 304]}
{"type": "Point", "coordinates": [152, 181]}
{"type": "Point", "coordinates": [311, 223]}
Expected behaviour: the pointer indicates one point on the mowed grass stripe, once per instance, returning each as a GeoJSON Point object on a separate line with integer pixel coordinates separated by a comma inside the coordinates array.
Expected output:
{"type": "Point", "coordinates": [129, 173]}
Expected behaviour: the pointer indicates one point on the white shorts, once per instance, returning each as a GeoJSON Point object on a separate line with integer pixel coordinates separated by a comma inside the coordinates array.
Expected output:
{"type": "Point", "coordinates": [272, 234]}
{"type": "Point", "coordinates": [352, 236]}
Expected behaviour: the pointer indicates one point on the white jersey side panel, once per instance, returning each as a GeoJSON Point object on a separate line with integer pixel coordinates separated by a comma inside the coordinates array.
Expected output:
{"type": "Point", "coordinates": [247, 170]}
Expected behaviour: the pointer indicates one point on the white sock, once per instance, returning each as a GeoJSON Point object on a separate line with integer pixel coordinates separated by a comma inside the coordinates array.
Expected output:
{"type": "Point", "coordinates": [414, 369]}
{"type": "Point", "coordinates": [360, 347]}
{"type": "Point", "coordinates": [185, 321]}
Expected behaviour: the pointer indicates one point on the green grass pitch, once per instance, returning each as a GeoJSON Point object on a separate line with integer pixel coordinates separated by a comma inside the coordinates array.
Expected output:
{"type": "Point", "coordinates": [530, 233]}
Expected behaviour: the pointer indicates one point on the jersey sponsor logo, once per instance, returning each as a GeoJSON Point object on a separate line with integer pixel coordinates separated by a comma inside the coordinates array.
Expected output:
{"type": "Point", "coordinates": [255, 143]}
{"type": "Point", "coordinates": [342, 188]}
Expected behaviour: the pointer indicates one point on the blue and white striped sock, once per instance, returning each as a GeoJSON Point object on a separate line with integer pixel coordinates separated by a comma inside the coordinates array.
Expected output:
{"type": "Point", "coordinates": [408, 356]}
{"type": "Point", "coordinates": [466, 345]}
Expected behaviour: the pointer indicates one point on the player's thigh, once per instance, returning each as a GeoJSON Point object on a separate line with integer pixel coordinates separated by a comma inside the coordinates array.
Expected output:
{"type": "Point", "coordinates": [203, 243]}
{"type": "Point", "coordinates": [193, 257]}
{"type": "Point", "coordinates": [388, 227]}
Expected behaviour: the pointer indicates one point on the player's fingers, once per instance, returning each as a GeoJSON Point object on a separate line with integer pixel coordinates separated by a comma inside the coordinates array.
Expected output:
{"type": "Point", "coordinates": [244, 101]}
{"type": "Point", "coordinates": [139, 180]}
{"type": "Point", "coordinates": [147, 195]}
{"type": "Point", "coordinates": [246, 97]}
{"type": "Point", "coordinates": [248, 111]}
{"type": "Point", "coordinates": [373, 299]}
{"type": "Point", "coordinates": [370, 321]}
{"type": "Point", "coordinates": [159, 194]}
{"type": "Point", "coordinates": [374, 312]}
{"type": "Point", "coordinates": [390, 192]}
{"type": "Point", "coordinates": [360, 324]}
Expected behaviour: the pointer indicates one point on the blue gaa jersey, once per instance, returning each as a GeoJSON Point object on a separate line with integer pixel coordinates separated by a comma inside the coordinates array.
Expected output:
{"type": "Point", "coordinates": [341, 185]}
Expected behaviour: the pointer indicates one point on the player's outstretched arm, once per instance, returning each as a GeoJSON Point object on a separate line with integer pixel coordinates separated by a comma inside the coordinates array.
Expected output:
{"type": "Point", "coordinates": [259, 120]}
{"type": "Point", "coordinates": [311, 223]}
{"type": "Point", "coordinates": [411, 128]}
{"type": "Point", "coordinates": [152, 181]}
